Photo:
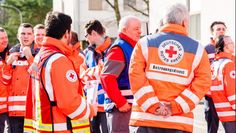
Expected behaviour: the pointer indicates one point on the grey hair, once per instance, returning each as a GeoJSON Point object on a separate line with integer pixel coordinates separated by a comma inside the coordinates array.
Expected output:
{"type": "Point", "coordinates": [176, 14]}
{"type": "Point", "coordinates": [124, 22]}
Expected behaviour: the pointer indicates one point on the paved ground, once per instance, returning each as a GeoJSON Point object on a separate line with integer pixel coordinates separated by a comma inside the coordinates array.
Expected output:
{"type": "Point", "coordinates": [200, 125]}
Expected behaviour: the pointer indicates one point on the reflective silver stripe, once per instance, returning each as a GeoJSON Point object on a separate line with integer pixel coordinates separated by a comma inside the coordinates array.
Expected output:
{"type": "Point", "coordinates": [3, 106]}
{"type": "Point", "coordinates": [48, 82]}
{"type": "Point", "coordinates": [152, 117]}
{"type": "Point", "coordinates": [20, 63]}
{"type": "Point", "coordinates": [167, 78]}
{"type": "Point", "coordinates": [143, 43]}
{"type": "Point", "coordinates": [86, 116]}
{"type": "Point", "coordinates": [126, 92]}
{"type": "Point", "coordinates": [100, 92]}
{"type": "Point", "coordinates": [183, 104]}
{"type": "Point", "coordinates": [16, 98]}
{"type": "Point", "coordinates": [226, 113]}
{"type": "Point", "coordinates": [222, 105]}
{"type": "Point", "coordinates": [16, 108]}
{"type": "Point", "coordinates": [149, 102]}
{"type": "Point", "coordinates": [234, 106]}
{"type": "Point", "coordinates": [196, 61]}
{"type": "Point", "coordinates": [79, 110]}
{"type": "Point", "coordinates": [3, 99]}
{"type": "Point", "coordinates": [217, 88]}
{"type": "Point", "coordinates": [130, 100]}
{"type": "Point", "coordinates": [194, 98]}
{"type": "Point", "coordinates": [210, 56]}
{"type": "Point", "coordinates": [231, 98]}
{"type": "Point", "coordinates": [60, 126]}
{"type": "Point", "coordinates": [142, 91]}
{"type": "Point", "coordinates": [4, 76]}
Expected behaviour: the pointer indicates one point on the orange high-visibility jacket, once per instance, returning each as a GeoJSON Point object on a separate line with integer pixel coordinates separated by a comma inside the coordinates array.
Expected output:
{"type": "Point", "coordinates": [168, 68]}
{"type": "Point", "coordinates": [54, 93]}
{"type": "Point", "coordinates": [223, 87]}
{"type": "Point", "coordinates": [3, 91]}
{"type": "Point", "coordinates": [17, 77]}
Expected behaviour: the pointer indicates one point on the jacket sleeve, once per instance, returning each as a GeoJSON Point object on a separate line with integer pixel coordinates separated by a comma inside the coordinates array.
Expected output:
{"type": "Point", "coordinates": [229, 83]}
{"type": "Point", "coordinates": [65, 84]}
{"type": "Point", "coordinates": [144, 94]}
{"type": "Point", "coordinates": [6, 74]}
{"type": "Point", "coordinates": [200, 84]}
{"type": "Point", "coordinates": [112, 68]}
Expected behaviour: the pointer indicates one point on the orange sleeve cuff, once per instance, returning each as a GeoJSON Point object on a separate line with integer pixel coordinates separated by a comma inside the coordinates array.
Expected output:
{"type": "Point", "coordinates": [176, 109]}
{"type": "Point", "coordinates": [153, 108]}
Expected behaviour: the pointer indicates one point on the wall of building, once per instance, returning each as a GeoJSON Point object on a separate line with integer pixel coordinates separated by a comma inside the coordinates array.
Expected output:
{"type": "Point", "coordinates": [80, 13]}
{"type": "Point", "coordinates": [209, 10]}
{"type": "Point", "coordinates": [217, 10]}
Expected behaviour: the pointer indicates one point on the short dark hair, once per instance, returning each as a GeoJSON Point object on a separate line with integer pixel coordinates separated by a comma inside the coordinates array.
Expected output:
{"type": "Point", "coordinates": [220, 44]}
{"type": "Point", "coordinates": [215, 23]}
{"type": "Point", "coordinates": [56, 24]}
{"type": "Point", "coordinates": [25, 25]}
{"type": "Point", "coordinates": [96, 26]}
{"type": "Point", "coordinates": [74, 38]}
{"type": "Point", "coordinates": [39, 26]}
{"type": "Point", "coordinates": [2, 29]}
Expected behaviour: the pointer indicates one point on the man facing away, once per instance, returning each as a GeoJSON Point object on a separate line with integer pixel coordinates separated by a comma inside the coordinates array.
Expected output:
{"type": "Point", "coordinates": [173, 74]}
{"type": "Point", "coordinates": [114, 77]}
{"type": "Point", "coordinates": [54, 84]}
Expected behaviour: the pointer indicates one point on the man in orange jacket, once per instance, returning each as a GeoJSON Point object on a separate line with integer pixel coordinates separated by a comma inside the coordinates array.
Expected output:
{"type": "Point", "coordinates": [4, 47]}
{"type": "Point", "coordinates": [16, 75]}
{"type": "Point", "coordinates": [54, 101]}
{"type": "Point", "coordinates": [173, 74]}
{"type": "Point", "coordinates": [223, 83]}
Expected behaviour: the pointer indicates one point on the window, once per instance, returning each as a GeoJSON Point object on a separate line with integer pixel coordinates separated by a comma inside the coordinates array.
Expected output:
{"type": "Point", "coordinates": [195, 26]}
{"type": "Point", "coordinates": [129, 2]}
{"type": "Point", "coordinates": [95, 4]}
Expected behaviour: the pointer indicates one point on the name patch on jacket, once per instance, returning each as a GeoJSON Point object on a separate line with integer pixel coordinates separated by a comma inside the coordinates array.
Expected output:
{"type": "Point", "coordinates": [168, 69]}
{"type": "Point", "coordinates": [71, 76]}
{"type": "Point", "coordinates": [170, 52]}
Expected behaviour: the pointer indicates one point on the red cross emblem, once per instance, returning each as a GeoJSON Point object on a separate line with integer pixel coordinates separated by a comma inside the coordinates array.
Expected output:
{"type": "Point", "coordinates": [72, 75]}
{"type": "Point", "coordinates": [171, 51]}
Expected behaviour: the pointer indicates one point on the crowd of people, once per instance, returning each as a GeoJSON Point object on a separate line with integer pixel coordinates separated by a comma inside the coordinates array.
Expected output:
{"type": "Point", "coordinates": [129, 85]}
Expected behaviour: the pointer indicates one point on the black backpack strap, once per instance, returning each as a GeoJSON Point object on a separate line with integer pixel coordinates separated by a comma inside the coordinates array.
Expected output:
{"type": "Point", "coordinates": [53, 103]}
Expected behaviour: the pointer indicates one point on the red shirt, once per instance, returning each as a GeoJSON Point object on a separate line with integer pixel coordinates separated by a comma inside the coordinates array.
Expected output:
{"type": "Point", "coordinates": [108, 80]}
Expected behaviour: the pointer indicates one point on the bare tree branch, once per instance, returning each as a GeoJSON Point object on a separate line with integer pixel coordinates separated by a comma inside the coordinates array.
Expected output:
{"type": "Point", "coordinates": [108, 2]}
{"type": "Point", "coordinates": [137, 10]}
{"type": "Point", "coordinates": [115, 7]}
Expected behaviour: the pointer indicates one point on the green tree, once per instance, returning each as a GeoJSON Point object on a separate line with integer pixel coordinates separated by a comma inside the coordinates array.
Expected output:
{"type": "Point", "coordinates": [33, 11]}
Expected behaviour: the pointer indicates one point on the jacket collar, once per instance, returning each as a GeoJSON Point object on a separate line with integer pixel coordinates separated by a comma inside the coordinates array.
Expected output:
{"type": "Point", "coordinates": [101, 48]}
{"type": "Point", "coordinates": [174, 28]}
{"type": "Point", "coordinates": [225, 55]}
{"type": "Point", "coordinates": [57, 44]}
{"type": "Point", "coordinates": [127, 39]}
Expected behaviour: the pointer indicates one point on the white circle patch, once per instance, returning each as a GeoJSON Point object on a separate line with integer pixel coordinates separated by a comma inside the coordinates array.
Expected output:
{"type": "Point", "coordinates": [171, 52]}
{"type": "Point", "coordinates": [232, 74]}
{"type": "Point", "coordinates": [71, 75]}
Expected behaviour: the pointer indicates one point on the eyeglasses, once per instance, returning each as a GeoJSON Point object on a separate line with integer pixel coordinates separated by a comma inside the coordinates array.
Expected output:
{"type": "Point", "coordinates": [86, 35]}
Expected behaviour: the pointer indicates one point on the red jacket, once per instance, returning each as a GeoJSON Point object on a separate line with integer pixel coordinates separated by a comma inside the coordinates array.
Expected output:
{"type": "Point", "coordinates": [223, 87]}
{"type": "Point", "coordinates": [60, 92]}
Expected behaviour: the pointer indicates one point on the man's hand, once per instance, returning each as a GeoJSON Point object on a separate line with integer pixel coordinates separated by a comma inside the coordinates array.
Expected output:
{"type": "Point", "coordinates": [125, 108]}
{"type": "Point", "coordinates": [164, 110]}
{"type": "Point", "coordinates": [27, 52]}
{"type": "Point", "coordinates": [12, 57]}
